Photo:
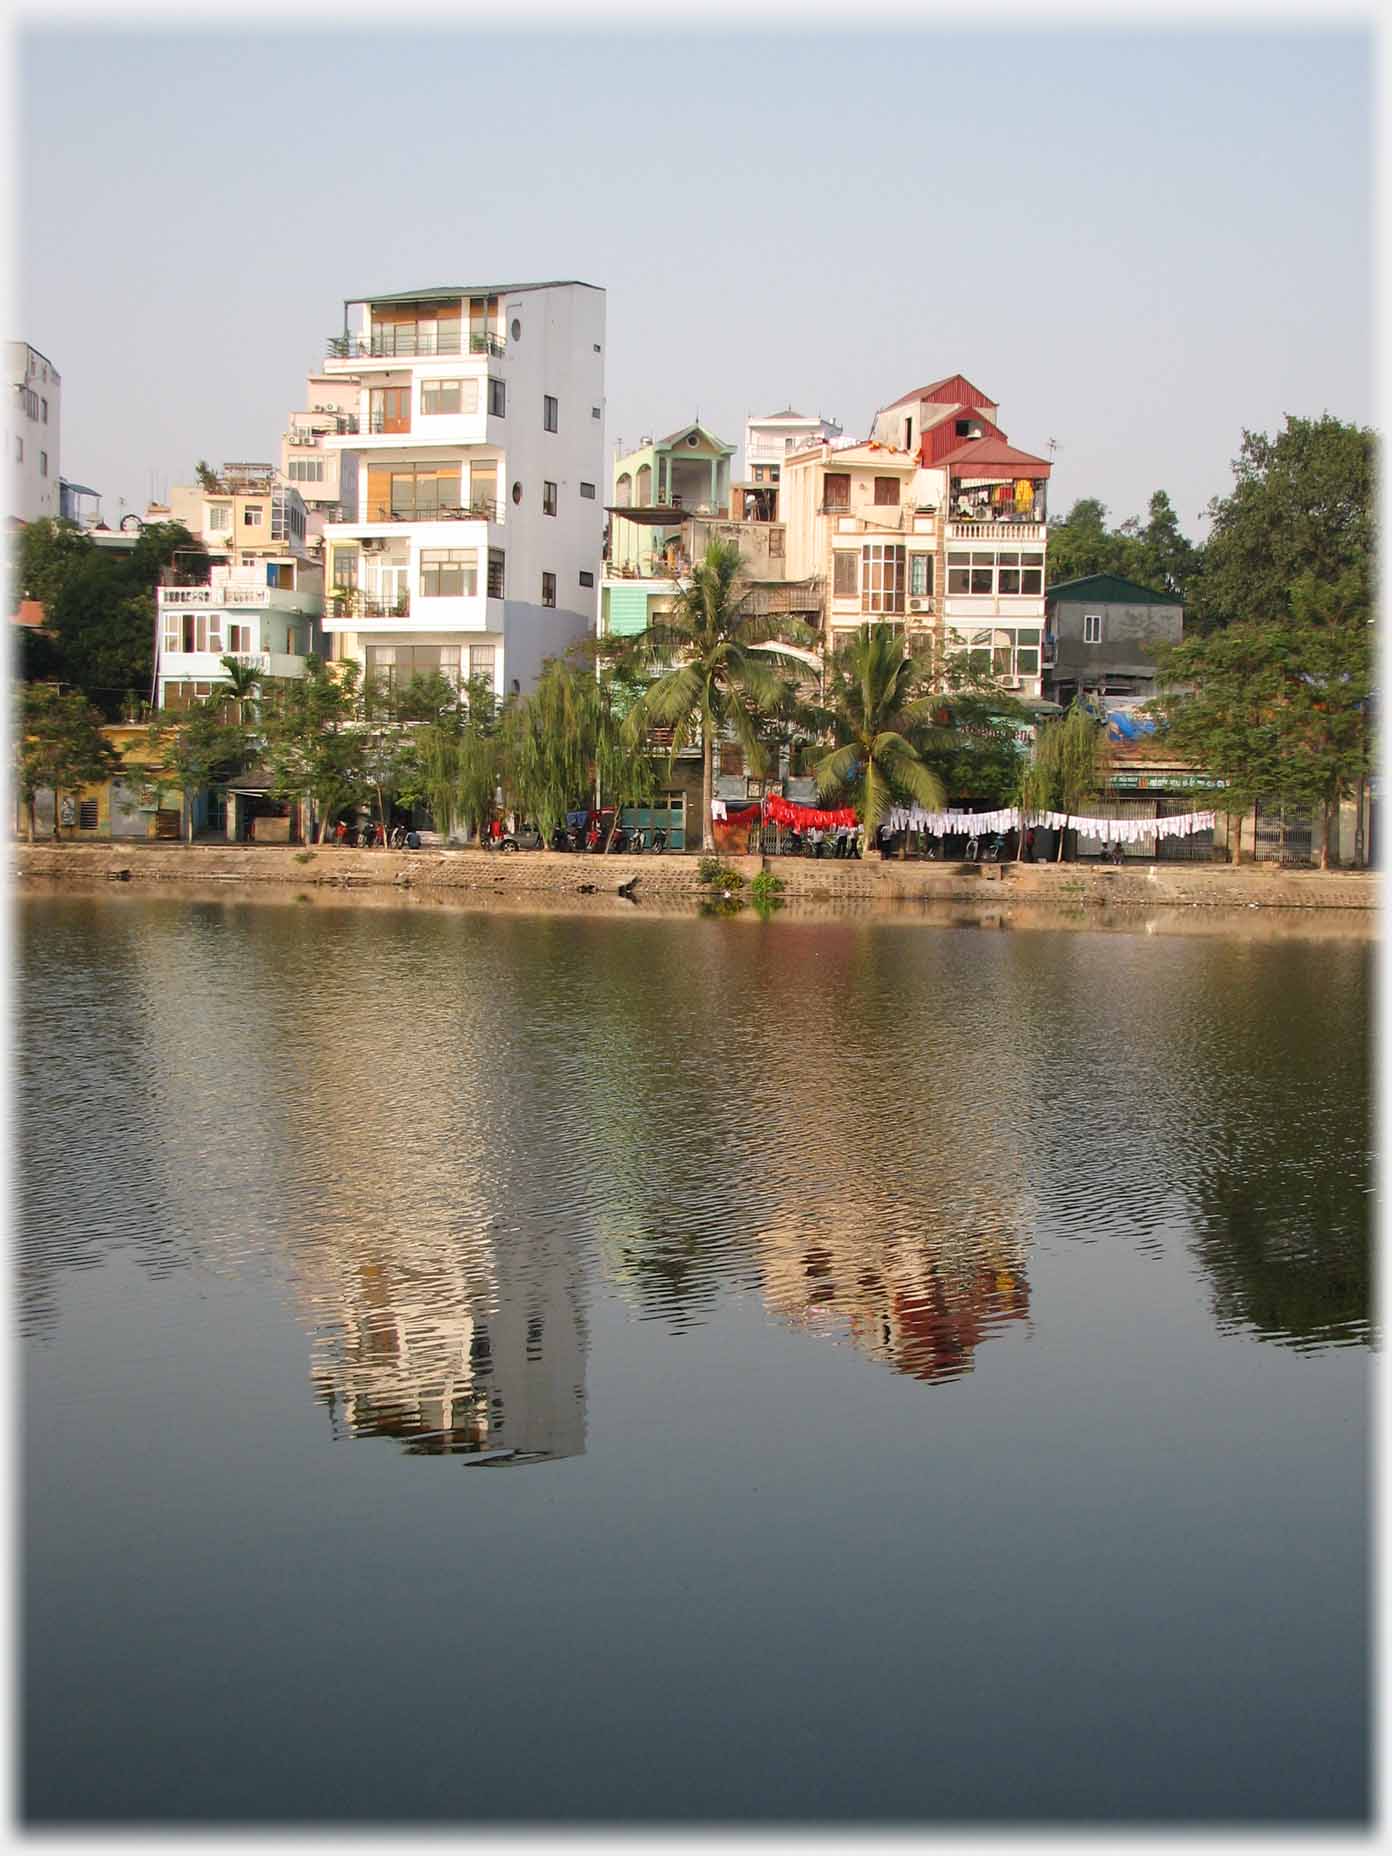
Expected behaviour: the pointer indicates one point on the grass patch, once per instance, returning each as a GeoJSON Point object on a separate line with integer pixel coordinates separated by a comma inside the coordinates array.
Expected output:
{"type": "Point", "coordinates": [304, 857]}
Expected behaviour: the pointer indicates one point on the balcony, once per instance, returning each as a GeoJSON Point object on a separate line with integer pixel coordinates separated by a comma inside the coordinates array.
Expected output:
{"type": "Point", "coordinates": [355, 603]}
{"type": "Point", "coordinates": [790, 596]}
{"type": "Point", "coordinates": [477, 509]}
{"type": "Point", "coordinates": [384, 344]}
{"type": "Point", "coordinates": [998, 528]}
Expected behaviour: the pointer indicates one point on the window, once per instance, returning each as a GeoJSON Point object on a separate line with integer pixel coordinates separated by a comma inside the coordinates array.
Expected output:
{"type": "Point", "coordinates": [496, 561]}
{"type": "Point", "coordinates": [497, 398]}
{"type": "Point", "coordinates": [516, 494]}
{"type": "Point", "coordinates": [448, 573]}
{"type": "Point", "coordinates": [989, 570]}
{"type": "Point", "coordinates": [586, 578]}
{"type": "Point", "coordinates": [595, 412]}
{"type": "Point", "coordinates": [86, 815]}
{"type": "Point", "coordinates": [548, 498]}
{"type": "Point", "coordinates": [551, 414]}
{"type": "Point", "coordinates": [516, 330]}
{"type": "Point", "coordinates": [345, 568]}
{"type": "Point", "coordinates": [882, 583]}
{"type": "Point", "coordinates": [731, 758]}
{"type": "Point", "coordinates": [396, 664]}
{"type": "Point", "coordinates": [775, 536]}
{"type": "Point", "coordinates": [43, 463]}
{"type": "Point", "coordinates": [587, 490]}
{"type": "Point", "coordinates": [306, 470]}
{"type": "Point", "coordinates": [439, 396]}
{"type": "Point", "coordinates": [251, 515]}
{"type": "Point", "coordinates": [483, 662]}
{"type": "Point", "coordinates": [845, 581]}
{"type": "Point", "coordinates": [44, 404]}
{"type": "Point", "coordinates": [239, 639]}
{"type": "Point", "coordinates": [548, 589]}
{"type": "Point", "coordinates": [199, 631]}
{"type": "Point", "coordinates": [921, 576]}
{"type": "Point", "coordinates": [836, 490]}
{"type": "Point", "coordinates": [887, 490]}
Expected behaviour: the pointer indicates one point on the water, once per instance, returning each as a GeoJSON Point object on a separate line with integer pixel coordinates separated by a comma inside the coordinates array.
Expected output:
{"type": "Point", "coordinates": [502, 1367]}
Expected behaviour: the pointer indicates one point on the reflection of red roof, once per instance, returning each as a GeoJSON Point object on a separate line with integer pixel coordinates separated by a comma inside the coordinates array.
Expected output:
{"type": "Point", "coordinates": [991, 457]}
{"type": "Point", "coordinates": [953, 387]}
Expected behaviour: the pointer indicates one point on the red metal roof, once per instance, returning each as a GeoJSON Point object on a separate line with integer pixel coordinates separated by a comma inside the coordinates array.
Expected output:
{"type": "Point", "coordinates": [954, 387]}
{"type": "Point", "coordinates": [988, 457]}
{"type": "Point", "coordinates": [940, 438]}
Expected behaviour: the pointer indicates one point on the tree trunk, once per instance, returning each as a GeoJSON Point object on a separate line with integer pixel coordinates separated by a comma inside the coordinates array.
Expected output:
{"type": "Point", "coordinates": [57, 813]}
{"type": "Point", "coordinates": [707, 788]}
{"type": "Point", "coordinates": [1330, 816]}
{"type": "Point", "coordinates": [1359, 846]}
{"type": "Point", "coordinates": [33, 822]}
{"type": "Point", "coordinates": [1063, 838]}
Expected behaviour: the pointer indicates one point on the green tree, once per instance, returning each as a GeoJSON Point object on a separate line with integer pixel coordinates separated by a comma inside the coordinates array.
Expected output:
{"type": "Point", "coordinates": [709, 659]}
{"type": "Point", "coordinates": [311, 745]}
{"type": "Point", "coordinates": [459, 760]}
{"type": "Point", "coordinates": [881, 704]}
{"type": "Point", "coordinates": [1302, 504]}
{"type": "Point", "coordinates": [194, 749]}
{"type": "Point", "coordinates": [1164, 558]}
{"type": "Point", "coordinates": [58, 744]}
{"type": "Point", "coordinates": [1066, 768]}
{"type": "Point", "coordinates": [243, 685]}
{"type": "Point", "coordinates": [1279, 711]}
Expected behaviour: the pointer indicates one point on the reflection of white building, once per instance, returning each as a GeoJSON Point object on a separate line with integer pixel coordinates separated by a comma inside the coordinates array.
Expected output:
{"type": "Point", "coordinates": [414, 1340]}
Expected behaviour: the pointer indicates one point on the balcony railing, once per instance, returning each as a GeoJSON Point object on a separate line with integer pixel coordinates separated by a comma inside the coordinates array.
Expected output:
{"type": "Point", "coordinates": [789, 596]}
{"type": "Point", "coordinates": [384, 343]}
{"type": "Point", "coordinates": [997, 528]}
{"type": "Point", "coordinates": [351, 603]}
{"type": "Point", "coordinates": [478, 509]}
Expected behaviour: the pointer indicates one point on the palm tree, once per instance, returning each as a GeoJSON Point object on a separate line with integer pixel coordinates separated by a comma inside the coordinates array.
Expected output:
{"type": "Point", "coordinates": [719, 677]}
{"type": "Point", "coordinates": [881, 708]}
{"type": "Point", "coordinates": [242, 682]}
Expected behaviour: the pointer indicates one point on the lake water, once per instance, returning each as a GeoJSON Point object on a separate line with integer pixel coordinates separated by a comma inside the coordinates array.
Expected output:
{"type": "Point", "coordinates": [491, 1367]}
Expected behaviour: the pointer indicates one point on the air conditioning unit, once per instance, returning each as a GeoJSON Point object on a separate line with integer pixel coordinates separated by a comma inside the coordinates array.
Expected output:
{"type": "Point", "coordinates": [915, 605]}
{"type": "Point", "coordinates": [1010, 683]}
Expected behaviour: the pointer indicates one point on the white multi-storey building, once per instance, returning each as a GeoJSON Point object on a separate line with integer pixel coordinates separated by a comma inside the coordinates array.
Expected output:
{"type": "Point", "coordinates": [325, 476]}
{"type": "Point", "coordinates": [476, 543]}
{"type": "Point", "coordinates": [32, 438]}
{"type": "Point", "coordinates": [270, 628]}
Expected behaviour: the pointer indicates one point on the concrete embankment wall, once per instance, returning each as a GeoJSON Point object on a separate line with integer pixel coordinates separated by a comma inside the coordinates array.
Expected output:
{"type": "Point", "coordinates": [1219, 886]}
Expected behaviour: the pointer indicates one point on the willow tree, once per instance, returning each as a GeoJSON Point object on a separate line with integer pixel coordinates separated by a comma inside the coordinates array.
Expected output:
{"type": "Point", "coordinates": [1066, 768]}
{"type": "Point", "coordinates": [459, 762]}
{"type": "Point", "coordinates": [709, 659]}
{"type": "Point", "coordinates": [548, 747]}
{"type": "Point", "coordinates": [881, 707]}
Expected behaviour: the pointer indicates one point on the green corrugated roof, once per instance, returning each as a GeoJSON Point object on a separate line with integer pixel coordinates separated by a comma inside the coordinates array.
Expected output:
{"type": "Point", "coordinates": [1111, 588]}
{"type": "Point", "coordinates": [628, 611]}
{"type": "Point", "coordinates": [446, 292]}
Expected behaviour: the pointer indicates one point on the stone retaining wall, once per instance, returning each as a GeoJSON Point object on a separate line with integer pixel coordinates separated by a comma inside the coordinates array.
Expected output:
{"type": "Point", "coordinates": [491, 872]}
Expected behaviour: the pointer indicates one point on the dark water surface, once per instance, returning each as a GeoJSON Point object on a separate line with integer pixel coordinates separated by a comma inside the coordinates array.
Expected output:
{"type": "Point", "coordinates": [535, 1368]}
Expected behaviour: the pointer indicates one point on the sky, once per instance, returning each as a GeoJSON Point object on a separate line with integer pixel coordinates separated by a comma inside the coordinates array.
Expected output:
{"type": "Point", "coordinates": [1139, 243]}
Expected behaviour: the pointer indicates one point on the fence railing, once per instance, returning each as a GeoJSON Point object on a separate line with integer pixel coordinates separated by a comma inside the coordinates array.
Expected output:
{"type": "Point", "coordinates": [477, 509]}
{"type": "Point", "coordinates": [387, 343]}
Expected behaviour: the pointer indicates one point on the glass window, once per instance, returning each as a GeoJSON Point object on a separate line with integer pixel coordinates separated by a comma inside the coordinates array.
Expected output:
{"type": "Point", "coordinates": [550, 413]}
{"type": "Point", "coordinates": [345, 567]}
{"type": "Point", "coordinates": [219, 517]}
{"type": "Point", "coordinates": [43, 463]}
{"type": "Point", "coordinates": [1092, 628]}
{"type": "Point", "coordinates": [844, 578]}
{"type": "Point", "coordinates": [882, 579]}
{"type": "Point", "coordinates": [586, 579]}
{"type": "Point", "coordinates": [483, 662]}
{"type": "Point", "coordinates": [439, 396]}
{"type": "Point", "coordinates": [251, 515]}
{"type": "Point", "coordinates": [1027, 661]}
{"type": "Point", "coordinates": [496, 564]}
{"type": "Point", "coordinates": [587, 490]}
{"type": "Point", "coordinates": [921, 575]}
{"type": "Point", "coordinates": [497, 398]}
{"type": "Point", "coordinates": [239, 638]}
{"type": "Point", "coordinates": [548, 498]}
{"type": "Point", "coordinates": [548, 589]}
{"type": "Point", "coordinates": [448, 573]}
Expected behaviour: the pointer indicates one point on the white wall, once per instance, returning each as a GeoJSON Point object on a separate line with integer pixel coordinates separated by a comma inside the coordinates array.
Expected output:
{"type": "Point", "coordinates": [33, 489]}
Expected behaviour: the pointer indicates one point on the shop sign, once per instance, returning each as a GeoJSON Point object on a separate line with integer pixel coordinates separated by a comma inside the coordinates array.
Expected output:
{"type": "Point", "coordinates": [1164, 782]}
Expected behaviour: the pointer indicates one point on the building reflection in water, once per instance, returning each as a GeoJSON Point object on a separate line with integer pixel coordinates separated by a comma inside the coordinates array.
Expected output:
{"type": "Point", "coordinates": [452, 1354]}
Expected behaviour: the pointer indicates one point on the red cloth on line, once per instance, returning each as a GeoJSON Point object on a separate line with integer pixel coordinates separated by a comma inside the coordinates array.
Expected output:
{"type": "Point", "coordinates": [784, 812]}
